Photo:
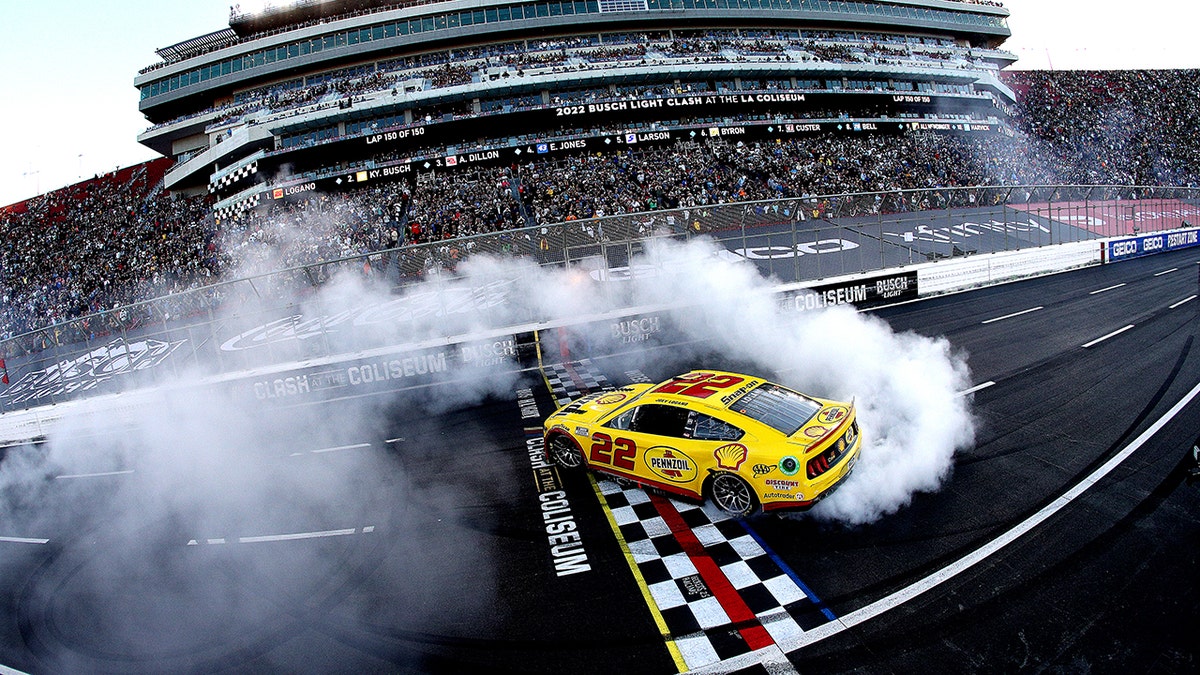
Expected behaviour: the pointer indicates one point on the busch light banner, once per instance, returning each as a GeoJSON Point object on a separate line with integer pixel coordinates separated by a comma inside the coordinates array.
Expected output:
{"type": "Point", "coordinates": [1134, 247]}
{"type": "Point", "coordinates": [861, 293]}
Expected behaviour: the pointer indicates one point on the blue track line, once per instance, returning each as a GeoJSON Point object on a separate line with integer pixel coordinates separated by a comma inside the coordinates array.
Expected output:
{"type": "Point", "coordinates": [788, 571]}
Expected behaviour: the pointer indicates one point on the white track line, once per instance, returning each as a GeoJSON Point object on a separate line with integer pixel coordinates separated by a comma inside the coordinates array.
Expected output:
{"type": "Point", "coordinates": [292, 536]}
{"type": "Point", "coordinates": [1102, 290]}
{"type": "Point", "coordinates": [963, 564]}
{"type": "Point", "coordinates": [297, 535]}
{"type": "Point", "coordinates": [23, 540]}
{"type": "Point", "coordinates": [101, 474]}
{"type": "Point", "coordinates": [976, 388]}
{"type": "Point", "coordinates": [772, 658]}
{"type": "Point", "coordinates": [5, 670]}
{"type": "Point", "coordinates": [1183, 301]}
{"type": "Point", "coordinates": [1173, 269]}
{"type": "Point", "coordinates": [1112, 334]}
{"type": "Point", "coordinates": [1009, 316]}
{"type": "Point", "coordinates": [341, 447]}
{"type": "Point", "coordinates": [321, 451]}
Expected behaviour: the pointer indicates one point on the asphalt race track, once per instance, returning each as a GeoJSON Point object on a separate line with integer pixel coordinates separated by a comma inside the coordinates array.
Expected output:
{"type": "Point", "coordinates": [404, 533]}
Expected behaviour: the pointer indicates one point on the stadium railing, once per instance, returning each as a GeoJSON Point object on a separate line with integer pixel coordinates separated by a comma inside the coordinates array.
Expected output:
{"type": "Point", "coordinates": [803, 239]}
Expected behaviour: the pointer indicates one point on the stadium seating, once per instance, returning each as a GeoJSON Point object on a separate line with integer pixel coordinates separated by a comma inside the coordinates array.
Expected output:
{"type": "Point", "coordinates": [117, 239]}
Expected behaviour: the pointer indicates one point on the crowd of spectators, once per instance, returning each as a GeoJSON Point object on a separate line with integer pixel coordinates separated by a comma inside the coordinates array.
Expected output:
{"type": "Point", "coordinates": [100, 244]}
{"type": "Point", "coordinates": [312, 228]}
{"type": "Point", "coordinates": [474, 201]}
{"type": "Point", "coordinates": [453, 67]}
{"type": "Point", "coordinates": [693, 174]}
{"type": "Point", "coordinates": [1114, 126]}
{"type": "Point", "coordinates": [118, 239]}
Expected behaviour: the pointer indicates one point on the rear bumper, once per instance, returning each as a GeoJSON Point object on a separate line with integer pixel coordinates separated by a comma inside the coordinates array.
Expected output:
{"type": "Point", "coordinates": [806, 505]}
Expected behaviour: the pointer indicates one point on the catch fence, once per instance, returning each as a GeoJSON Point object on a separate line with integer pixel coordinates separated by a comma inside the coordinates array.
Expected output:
{"type": "Point", "coordinates": [279, 317]}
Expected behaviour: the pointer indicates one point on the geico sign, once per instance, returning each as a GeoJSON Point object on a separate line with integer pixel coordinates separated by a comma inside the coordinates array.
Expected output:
{"type": "Point", "coordinates": [808, 248]}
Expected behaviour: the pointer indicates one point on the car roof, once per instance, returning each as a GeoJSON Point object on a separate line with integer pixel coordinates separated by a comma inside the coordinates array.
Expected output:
{"type": "Point", "coordinates": [721, 398]}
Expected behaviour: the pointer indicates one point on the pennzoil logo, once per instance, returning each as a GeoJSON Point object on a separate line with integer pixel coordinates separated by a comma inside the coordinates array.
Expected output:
{"type": "Point", "coordinates": [670, 464]}
{"type": "Point", "coordinates": [731, 456]}
{"type": "Point", "coordinates": [609, 399]}
{"type": "Point", "coordinates": [831, 415]}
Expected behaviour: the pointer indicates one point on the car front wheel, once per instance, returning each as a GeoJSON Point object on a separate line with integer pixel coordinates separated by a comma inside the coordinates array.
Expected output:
{"type": "Point", "coordinates": [733, 495]}
{"type": "Point", "coordinates": [565, 453]}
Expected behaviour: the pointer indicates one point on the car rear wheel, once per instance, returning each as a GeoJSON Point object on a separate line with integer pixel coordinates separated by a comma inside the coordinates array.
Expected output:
{"type": "Point", "coordinates": [565, 453]}
{"type": "Point", "coordinates": [733, 495]}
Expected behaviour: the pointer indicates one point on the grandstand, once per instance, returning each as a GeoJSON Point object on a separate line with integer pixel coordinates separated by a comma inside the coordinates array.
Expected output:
{"type": "Point", "coordinates": [541, 121]}
{"type": "Point", "coordinates": [324, 95]}
{"type": "Point", "coordinates": [280, 179]}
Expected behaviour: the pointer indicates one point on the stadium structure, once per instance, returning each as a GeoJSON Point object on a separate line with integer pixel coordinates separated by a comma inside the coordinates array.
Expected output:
{"type": "Point", "coordinates": [325, 95]}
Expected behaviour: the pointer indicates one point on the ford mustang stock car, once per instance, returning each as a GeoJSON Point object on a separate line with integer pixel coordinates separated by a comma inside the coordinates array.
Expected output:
{"type": "Point", "coordinates": [743, 442]}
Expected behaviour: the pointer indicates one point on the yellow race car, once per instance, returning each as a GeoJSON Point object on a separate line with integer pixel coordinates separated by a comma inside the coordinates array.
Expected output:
{"type": "Point", "coordinates": [745, 443]}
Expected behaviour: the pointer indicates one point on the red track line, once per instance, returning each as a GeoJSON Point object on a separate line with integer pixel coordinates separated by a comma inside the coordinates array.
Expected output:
{"type": "Point", "coordinates": [565, 351]}
{"type": "Point", "coordinates": [753, 633]}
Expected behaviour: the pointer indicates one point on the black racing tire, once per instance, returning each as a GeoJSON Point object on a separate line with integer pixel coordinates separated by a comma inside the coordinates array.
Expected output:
{"type": "Point", "coordinates": [566, 453]}
{"type": "Point", "coordinates": [732, 494]}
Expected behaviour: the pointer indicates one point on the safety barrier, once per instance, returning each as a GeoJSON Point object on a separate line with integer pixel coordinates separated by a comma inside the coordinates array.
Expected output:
{"type": "Point", "coordinates": [915, 253]}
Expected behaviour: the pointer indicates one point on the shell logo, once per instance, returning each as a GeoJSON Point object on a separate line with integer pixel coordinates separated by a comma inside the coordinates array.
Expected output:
{"type": "Point", "coordinates": [731, 456]}
{"type": "Point", "coordinates": [609, 399]}
{"type": "Point", "coordinates": [671, 464]}
{"type": "Point", "coordinates": [831, 415]}
{"type": "Point", "coordinates": [816, 432]}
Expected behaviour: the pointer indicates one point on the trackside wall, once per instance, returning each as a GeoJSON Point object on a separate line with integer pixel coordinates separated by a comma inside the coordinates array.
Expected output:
{"type": "Point", "coordinates": [405, 365]}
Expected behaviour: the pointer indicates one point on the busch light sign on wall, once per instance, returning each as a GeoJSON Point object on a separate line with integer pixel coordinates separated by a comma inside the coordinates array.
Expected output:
{"type": "Point", "coordinates": [1133, 247]}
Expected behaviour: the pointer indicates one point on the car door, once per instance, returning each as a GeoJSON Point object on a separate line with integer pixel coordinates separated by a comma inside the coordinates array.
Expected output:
{"type": "Point", "coordinates": [665, 445]}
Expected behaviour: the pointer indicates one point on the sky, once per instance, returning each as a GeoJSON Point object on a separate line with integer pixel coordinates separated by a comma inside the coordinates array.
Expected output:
{"type": "Point", "coordinates": [70, 109]}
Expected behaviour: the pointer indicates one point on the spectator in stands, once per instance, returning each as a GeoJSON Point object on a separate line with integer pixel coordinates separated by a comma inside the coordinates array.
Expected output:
{"type": "Point", "coordinates": [116, 240]}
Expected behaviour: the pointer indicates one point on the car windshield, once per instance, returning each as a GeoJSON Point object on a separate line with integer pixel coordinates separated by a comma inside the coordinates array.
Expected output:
{"type": "Point", "coordinates": [781, 409]}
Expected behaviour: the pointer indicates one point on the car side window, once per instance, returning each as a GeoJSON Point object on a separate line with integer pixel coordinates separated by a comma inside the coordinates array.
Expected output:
{"type": "Point", "coordinates": [660, 420]}
{"type": "Point", "coordinates": [623, 421]}
{"type": "Point", "coordinates": [703, 427]}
